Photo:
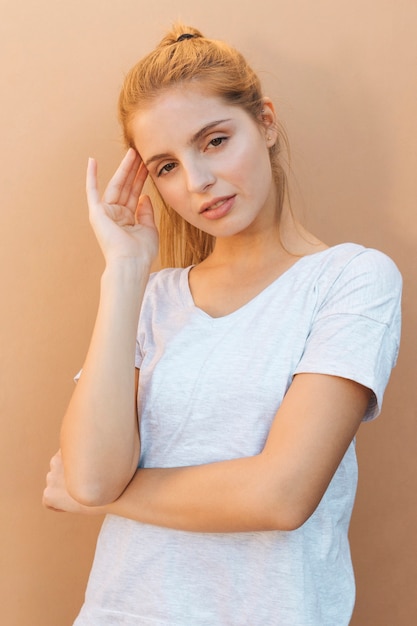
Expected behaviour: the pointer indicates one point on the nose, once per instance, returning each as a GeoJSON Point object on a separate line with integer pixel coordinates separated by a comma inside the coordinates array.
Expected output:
{"type": "Point", "coordinates": [199, 175]}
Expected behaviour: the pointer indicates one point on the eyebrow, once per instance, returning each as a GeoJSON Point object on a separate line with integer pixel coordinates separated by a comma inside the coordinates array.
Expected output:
{"type": "Point", "coordinates": [194, 139]}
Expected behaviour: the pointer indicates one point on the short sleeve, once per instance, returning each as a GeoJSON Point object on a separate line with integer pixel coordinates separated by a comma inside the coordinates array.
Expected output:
{"type": "Point", "coordinates": [356, 330]}
{"type": "Point", "coordinates": [145, 320]}
{"type": "Point", "coordinates": [138, 355]}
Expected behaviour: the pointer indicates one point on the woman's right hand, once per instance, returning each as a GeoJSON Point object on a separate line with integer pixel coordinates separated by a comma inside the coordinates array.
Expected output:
{"type": "Point", "coordinates": [123, 219]}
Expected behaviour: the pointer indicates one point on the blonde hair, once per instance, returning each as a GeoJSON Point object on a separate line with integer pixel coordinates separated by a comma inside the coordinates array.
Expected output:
{"type": "Point", "coordinates": [185, 55]}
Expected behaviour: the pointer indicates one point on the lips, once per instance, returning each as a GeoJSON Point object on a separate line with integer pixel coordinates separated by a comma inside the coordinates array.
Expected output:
{"type": "Point", "coordinates": [218, 207]}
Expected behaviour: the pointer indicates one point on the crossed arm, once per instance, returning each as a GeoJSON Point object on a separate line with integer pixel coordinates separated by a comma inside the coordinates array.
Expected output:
{"type": "Point", "coordinates": [277, 489]}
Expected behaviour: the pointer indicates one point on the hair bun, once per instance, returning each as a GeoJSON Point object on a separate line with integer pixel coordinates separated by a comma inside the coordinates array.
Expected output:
{"type": "Point", "coordinates": [186, 36]}
{"type": "Point", "coordinates": [180, 32]}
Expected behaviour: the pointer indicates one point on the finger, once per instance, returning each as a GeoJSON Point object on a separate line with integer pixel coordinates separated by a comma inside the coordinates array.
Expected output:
{"type": "Point", "coordinates": [136, 188]}
{"type": "Point", "coordinates": [93, 197]}
{"type": "Point", "coordinates": [51, 481]}
{"type": "Point", "coordinates": [47, 502]}
{"type": "Point", "coordinates": [144, 212]}
{"type": "Point", "coordinates": [56, 461]}
{"type": "Point", "coordinates": [125, 197]}
{"type": "Point", "coordinates": [52, 508]}
{"type": "Point", "coordinates": [129, 163]}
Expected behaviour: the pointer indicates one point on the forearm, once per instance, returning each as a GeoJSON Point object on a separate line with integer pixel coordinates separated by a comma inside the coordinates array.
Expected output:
{"type": "Point", "coordinates": [99, 437]}
{"type": "Point", "coordinates": [229, 496]}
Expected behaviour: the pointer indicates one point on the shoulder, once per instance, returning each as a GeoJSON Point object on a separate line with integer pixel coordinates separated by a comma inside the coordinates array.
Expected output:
{"type": "Point", "coordinates": [167, 279]}
{"type": "Point", "coordinates": [344, 263]}
{"type": "Point", "coordinates": [368, 260]}
{"type": "Point", "coordinates": [360, 281]}
{"type": "Point", "coordinates": [166, 291]}
{"type": "Point", "coordinates": [357, 257]}
{"type": "Point", "coordinates": [165, 275]}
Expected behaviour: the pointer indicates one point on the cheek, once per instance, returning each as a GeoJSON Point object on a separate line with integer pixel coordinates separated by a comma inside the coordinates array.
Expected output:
{"type": "Point", "coordinates": [169, 190]}
{"type": "Point", "coordinates": [174, 195]}
{"type": "Point", "coordinates": [250, 157]}
{"type": "Point", "coordinates": [253, 170]}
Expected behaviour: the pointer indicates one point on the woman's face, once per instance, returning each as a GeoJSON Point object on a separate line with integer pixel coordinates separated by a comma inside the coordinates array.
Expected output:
{"type": "Point", "coordinates": [208, 159]}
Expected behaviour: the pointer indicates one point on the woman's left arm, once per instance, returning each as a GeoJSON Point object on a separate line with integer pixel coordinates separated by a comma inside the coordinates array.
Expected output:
{"type": "Point", "coordinates": [277, 489]}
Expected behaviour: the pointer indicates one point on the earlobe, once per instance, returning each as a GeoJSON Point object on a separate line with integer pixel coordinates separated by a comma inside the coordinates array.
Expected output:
{"type": "Point", "coordinates": [268, 121]}
{"type": "Point", "coordinates": [271, 138]}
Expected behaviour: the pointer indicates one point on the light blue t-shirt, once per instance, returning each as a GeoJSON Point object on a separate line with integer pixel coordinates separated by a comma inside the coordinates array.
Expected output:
{"type": "Point", "coordinates": [209, 390]}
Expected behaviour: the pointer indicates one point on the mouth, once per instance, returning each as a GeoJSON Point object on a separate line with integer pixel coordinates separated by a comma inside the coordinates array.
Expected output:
{"type": "Point", "coordinates": [218, 206]}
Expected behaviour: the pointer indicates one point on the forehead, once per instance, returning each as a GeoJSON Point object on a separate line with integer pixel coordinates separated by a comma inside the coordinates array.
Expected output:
{"type": "Point", "coordinates": [180, 112]}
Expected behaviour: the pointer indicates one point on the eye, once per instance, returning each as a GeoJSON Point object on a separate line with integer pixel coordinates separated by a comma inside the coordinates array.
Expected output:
{"type": "Point", "coordinates": [168, 167]}
{"type": "Point", "coordinates": [217, 141]}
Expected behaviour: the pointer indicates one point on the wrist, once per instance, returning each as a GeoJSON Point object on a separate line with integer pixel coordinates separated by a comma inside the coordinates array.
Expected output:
{"type": "Point", "coordinates": [126, 270]}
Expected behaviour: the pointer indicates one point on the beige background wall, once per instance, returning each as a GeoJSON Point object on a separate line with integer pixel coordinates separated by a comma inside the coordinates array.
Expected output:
{"type": "Point", "coordinates": [343, 74]}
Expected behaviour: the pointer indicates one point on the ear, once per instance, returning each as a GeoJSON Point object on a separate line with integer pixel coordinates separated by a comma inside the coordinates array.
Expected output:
{"type": "Point", "coordinates": [268, 120]}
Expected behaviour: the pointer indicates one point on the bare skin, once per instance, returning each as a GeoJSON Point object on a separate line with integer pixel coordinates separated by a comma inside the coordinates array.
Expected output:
{"type": "Point", "coordinates": [197, 163]}
{"type": "Point", "coordinates": [101, 420]}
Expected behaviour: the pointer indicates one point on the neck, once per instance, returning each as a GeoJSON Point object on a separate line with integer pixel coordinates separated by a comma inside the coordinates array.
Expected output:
{"type": "Point", "coordinates": [247, 249]}
{"type": "Point", "coordinates": [281, 241]}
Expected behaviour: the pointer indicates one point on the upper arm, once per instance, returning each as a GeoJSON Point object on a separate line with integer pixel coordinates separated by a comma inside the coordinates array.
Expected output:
{"type": "Point", "coordinates": [310, 434]}
{"type": "Point", "coordinates": [339, 380]}
{"type": "Point", "coordinates": [137, 373]}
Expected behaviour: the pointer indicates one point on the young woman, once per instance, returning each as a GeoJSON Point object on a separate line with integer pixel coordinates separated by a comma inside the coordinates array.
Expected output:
{"type": "Point", "coordinates": [260, 352]}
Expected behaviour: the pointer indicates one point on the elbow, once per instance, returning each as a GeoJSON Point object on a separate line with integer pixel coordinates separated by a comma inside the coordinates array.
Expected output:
{"type": "Point", "coordinates": [284, 518]}
{"type": "Point", "coordinates": [285, 501]}
{"type": "Point", "coordinates": [285, 512]}
{"type": "Point", "coordinates": [90, 489]}
{"type": "Point", "coordinates": [94, 485]}
{"type": "Point", "coordinates": [291, 519]}
{"type": "Point", "coordinates": [92, 494]}
{"type": "Point", "coordinates": [91, 498]}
